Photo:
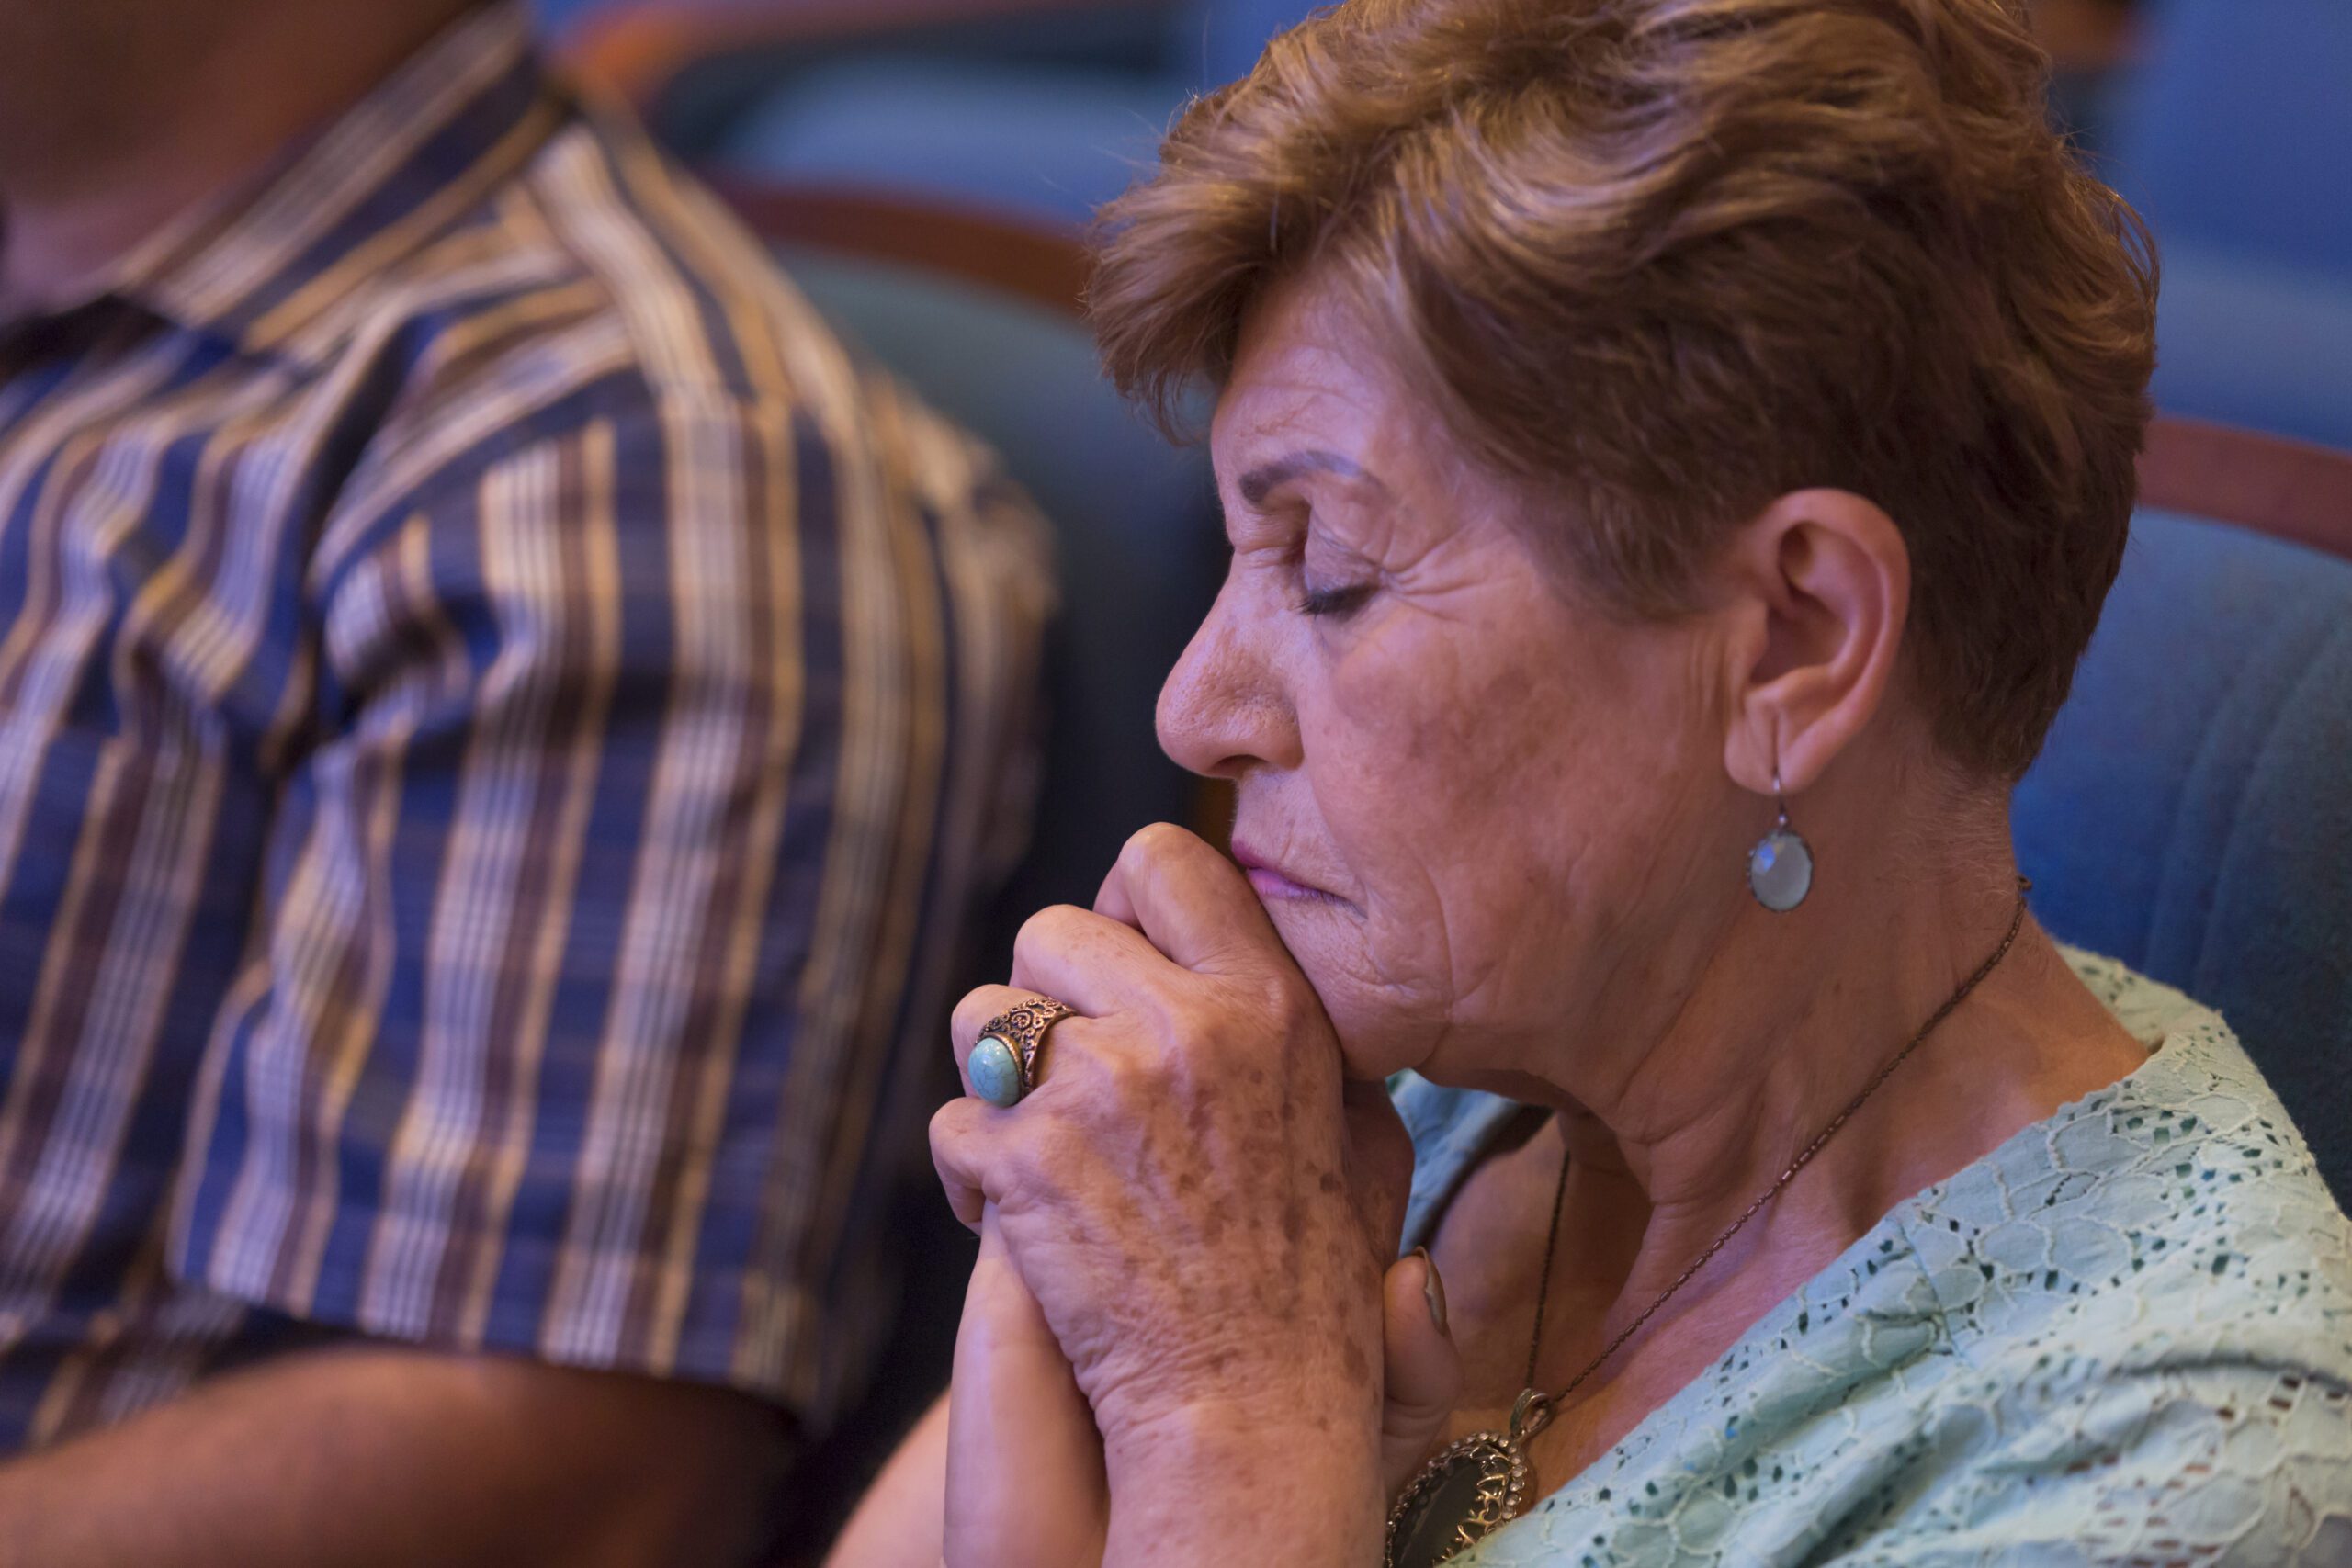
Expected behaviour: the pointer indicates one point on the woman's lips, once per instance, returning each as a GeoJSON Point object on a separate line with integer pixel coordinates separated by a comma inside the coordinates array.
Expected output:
{"type": "Point", "coordinates": [1272, 882]}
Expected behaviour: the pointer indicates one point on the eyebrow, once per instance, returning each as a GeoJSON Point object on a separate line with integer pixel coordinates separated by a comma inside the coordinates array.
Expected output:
{"type": "Point", "coordinates": [1266, 477]}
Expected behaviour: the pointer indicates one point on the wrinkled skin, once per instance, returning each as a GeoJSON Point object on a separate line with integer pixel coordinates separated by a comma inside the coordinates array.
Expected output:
{"type": "Point", "coordinates": [1492, 831]}
{"type": "Point", "coordinates": [1196, 1111]}
{"type": "Point", "coordinates": [1201, 1207]}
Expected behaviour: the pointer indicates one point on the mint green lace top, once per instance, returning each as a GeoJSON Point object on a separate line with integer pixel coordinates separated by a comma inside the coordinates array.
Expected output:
{"type": "Point", "coordinates": [2122, 1338]}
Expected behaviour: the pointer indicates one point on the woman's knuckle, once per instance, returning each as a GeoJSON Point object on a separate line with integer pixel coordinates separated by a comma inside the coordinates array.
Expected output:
{"type": "Point", "coordinates": [974, 1009]}
{"type": "Point", "coordinates": [1157, 838]}
{"type": "Point", "coordinates": [1147, 849]}
{"type": "Point", "coordinates": [1048, 930]}
{"type": "Point", "coordinates": [960, 1117]}
{"type": "Point", "coordinates": [948, 1128]}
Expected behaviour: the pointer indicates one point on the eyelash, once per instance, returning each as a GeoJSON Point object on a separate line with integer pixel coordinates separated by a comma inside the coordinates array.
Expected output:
{"type": "Point", "coordinates": [1337, 603]}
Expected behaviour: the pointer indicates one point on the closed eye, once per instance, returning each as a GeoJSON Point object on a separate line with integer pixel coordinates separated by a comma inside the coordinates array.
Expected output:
{"type": "Point", "coordinates": [1338, 603]}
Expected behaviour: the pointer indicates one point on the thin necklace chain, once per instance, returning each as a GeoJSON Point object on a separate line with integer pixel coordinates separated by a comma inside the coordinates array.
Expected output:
{"type": "Point", "coordinates": [1533, 1410]}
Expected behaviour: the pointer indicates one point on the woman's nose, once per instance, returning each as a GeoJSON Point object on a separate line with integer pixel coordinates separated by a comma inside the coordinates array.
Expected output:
{"type": "Point", "coordinates": [1222, 710]}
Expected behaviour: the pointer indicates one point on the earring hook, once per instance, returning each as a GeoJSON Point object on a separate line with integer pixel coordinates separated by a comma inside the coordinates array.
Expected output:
{"type": "Point", "coordinates": [1780, 868]}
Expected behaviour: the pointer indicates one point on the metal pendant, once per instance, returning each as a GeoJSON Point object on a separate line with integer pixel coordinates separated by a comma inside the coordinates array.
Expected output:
{"type": "Point", "coordinates": [1470, 1489]}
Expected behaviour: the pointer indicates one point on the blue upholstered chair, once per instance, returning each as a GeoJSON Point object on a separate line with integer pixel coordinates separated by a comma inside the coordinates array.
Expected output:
{"type": "Point", "coordinates": [1045, 142]}
{"type": "Point", "coordinates": [2254, 342]}
{"type": "Point", "coordinates": [2234, 141]}
{"type": "Point", "coordinates": [1046, 115]}
{"type": "Point", "coordinates": [2192, 814]}
{"type": "Point", "coordinates": [2237, 132]}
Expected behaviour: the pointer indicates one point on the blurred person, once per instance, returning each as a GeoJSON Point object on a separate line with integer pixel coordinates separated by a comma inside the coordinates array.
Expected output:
{"type": "Point", "coordinates": [500, 721]}
{"type": "Point", "coordinates": [1675, 454]}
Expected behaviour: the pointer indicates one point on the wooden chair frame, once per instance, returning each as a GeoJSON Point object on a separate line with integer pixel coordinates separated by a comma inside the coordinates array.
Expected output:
{"type": "Point", "coordinates": [1043, 265]}
{"type": "Point", "coordinates": [2289, 490]}
{"type": "Point", "coordinates": [637, 51]}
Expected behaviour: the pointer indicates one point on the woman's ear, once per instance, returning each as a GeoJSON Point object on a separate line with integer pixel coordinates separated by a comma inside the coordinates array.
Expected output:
{"type": "Point", "coordinates": [1826, 579]}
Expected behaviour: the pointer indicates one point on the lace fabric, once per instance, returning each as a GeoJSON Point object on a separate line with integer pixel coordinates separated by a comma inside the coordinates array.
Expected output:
{"type": "Point", "coordinates": [2122, 1338]}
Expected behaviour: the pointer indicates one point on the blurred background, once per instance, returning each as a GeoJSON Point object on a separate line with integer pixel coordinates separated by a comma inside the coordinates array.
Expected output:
{"type": "Point", "coordinates": [925, 168]}
{"type": "Point", "coordinates": [2228, 122]}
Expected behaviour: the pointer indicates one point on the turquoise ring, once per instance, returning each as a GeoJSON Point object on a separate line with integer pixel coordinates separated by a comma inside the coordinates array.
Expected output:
{"type": "Point", "coordinates": [1003, 1063]}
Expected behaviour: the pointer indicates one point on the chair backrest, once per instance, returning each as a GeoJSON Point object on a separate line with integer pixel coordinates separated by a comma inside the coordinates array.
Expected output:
{"type": "Point", "coordinates": [2234, 140]}
{"type": "Point", "coordinates": [2289, 490]}
{"type": "Point", "coordinates": [2192, 812]}
{"type": "Point", "coordinates": [2238, 131]}
{"type": "Point", "coordinates": [978, 315]}
{"type": "Point", "coordinates": [1229, 35]}
{"type": "Point", "coordinates": [2255, 343]}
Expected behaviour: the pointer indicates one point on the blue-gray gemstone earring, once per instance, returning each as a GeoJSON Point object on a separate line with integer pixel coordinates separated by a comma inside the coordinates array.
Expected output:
{"type": "Point", "coordinates": [1780, 868]}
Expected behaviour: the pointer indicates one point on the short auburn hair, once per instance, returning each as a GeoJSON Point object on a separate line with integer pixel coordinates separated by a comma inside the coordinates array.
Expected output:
{"type": "Point", "coordinates": [1671, 259]}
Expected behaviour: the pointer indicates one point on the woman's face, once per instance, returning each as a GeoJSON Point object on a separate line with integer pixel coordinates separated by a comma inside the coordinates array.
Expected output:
{"type": "Point", "coordinates": [1468, 801]}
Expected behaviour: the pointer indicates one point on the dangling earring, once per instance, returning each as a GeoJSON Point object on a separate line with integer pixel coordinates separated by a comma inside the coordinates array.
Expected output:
{"type": "Point", "coordinates": [1780, 868]}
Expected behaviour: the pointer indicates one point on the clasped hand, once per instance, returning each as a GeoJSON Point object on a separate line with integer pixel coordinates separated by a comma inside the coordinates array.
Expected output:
{"type": "Point", "coordinates": [1187, 1226]}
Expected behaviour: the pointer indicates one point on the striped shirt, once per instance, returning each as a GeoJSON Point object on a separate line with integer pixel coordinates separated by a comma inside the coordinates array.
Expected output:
{"type": "Point", "coordinates": [479, 671]}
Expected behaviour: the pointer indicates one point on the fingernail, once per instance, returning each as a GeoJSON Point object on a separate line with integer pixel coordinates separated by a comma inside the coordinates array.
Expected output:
{"type": "Point", "coordinates": [1432, 1287]}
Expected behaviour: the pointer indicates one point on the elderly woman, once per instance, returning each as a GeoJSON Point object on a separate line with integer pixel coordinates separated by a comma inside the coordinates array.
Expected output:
{"type": "Point", "coordinates": [1674, 452]}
